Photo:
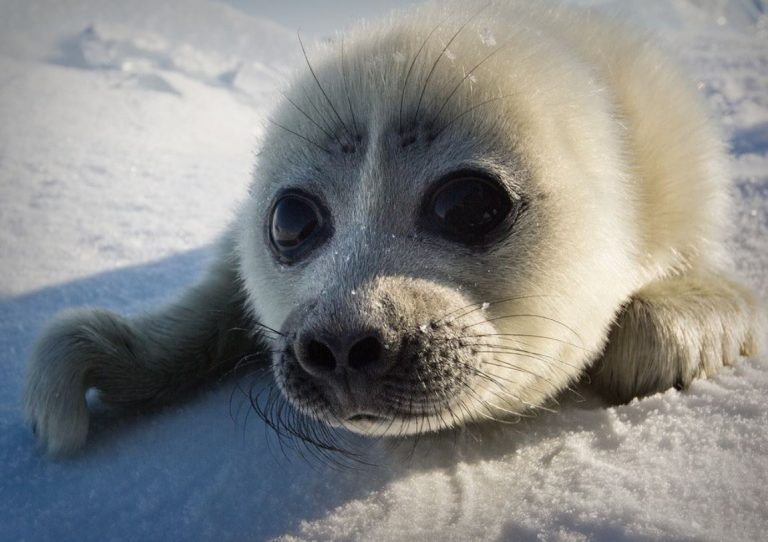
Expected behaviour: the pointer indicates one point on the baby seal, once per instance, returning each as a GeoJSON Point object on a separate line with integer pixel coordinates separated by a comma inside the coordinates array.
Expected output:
{"type": "Point", "coordinates": [456, 213]}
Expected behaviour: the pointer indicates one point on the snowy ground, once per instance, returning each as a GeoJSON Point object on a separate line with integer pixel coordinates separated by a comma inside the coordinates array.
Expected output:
{"type": "Point", "coordinates": [127, 132]}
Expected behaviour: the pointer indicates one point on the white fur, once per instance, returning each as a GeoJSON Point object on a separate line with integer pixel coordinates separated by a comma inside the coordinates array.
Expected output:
{"type": "Point", "coordinates": [628, 182]}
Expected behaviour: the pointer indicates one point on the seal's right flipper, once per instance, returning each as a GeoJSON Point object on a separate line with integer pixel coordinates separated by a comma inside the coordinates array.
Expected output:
{"type": "Point", "coordinates": [143, 361]}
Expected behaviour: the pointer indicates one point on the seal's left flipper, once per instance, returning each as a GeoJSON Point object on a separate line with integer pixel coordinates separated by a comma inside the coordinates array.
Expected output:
{"type": "Point", "coordinates": [675, 330]}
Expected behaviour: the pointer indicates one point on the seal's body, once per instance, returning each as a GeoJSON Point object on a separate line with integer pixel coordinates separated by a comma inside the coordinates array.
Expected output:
{"type": "Point", "coordinates": [456, 213]}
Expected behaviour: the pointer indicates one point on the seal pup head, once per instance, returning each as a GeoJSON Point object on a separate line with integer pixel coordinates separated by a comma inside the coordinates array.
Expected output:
{"type": "Point", "coordinates": [438, 224]}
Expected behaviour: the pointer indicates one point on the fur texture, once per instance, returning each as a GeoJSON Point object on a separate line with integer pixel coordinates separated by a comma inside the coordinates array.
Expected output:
{"type": "Point", "coordinates": [619, 241]}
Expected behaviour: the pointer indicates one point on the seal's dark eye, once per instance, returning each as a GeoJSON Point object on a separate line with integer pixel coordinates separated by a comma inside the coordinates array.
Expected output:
{"type": "Point", "coordinates": [468, 207]}
{"type": "Point", "coordinates": [295, 226]}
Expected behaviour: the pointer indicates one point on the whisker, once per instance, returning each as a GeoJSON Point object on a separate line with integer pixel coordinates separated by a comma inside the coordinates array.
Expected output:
{"type": "Point", "coordinates": [346, 90]}
{"type": "Point", "coordinates": [313, 121]}
{"type": "Point", "coordinates": [503, 389]}
{"type": "Point", "coordinates": [469, 110]}
{"type": "Point", "coordinates": [466, 76]}
{"type": "Point", "coordinates": [487, 304]}
{"type": "Point", "coordinates": [506, 365]}
{"type": "Point", "coordinates": [440, 56]}
{"type": "Point", "coordinates": [504, 349]}
{"type": "Point", "coordinates": [250, 331]}
{"type": "Point", "coordinates": [497, 318]}
{"type": "Point", "coordinates": [308, 140]}
{"type": "Point", "coordinates": [238, 387]}
{"type": "Point", "coordinates": [294, 432]}
{"type": "Point", "coordinates": [491, 415]}
{"type": "Point", "coordinates": [329, 124]}
{"type": "Point", "coordinates": [410, 69]}
{"type": "Point", "coordinates": [527, 355]}
{"type": "Point", "coordinates": [477, 371]}
{"type": "Point", "coordinates": [511, 336]}
{"type": "Point", "coordinates": [317, 81]}
{"type": "Point", "coordinates": [469, 389]}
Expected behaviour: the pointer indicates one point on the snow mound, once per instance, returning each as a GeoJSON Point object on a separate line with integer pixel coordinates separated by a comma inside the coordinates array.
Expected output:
{"type": "Point", "coordinates": [144, 56]}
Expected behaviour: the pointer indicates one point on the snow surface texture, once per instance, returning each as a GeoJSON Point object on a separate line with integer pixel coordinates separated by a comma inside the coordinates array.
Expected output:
{"type": "Point", "coordinates": [127, 133]}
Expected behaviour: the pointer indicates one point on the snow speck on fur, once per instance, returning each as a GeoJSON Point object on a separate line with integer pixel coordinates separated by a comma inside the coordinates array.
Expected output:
{"type": "Point", "coordinates": [127, 133]}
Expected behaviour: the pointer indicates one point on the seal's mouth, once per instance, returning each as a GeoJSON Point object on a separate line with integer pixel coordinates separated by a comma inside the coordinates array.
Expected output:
{"type": "Point", "coordinates": [370, 418]}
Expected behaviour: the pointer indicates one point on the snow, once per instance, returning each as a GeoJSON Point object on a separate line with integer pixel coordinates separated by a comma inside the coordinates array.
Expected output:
{"type": "Point", "coordinates": [127, 133]}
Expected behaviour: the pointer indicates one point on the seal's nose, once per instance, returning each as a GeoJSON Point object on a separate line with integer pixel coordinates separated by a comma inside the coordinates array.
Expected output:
{"type": "Point", "coordinates": [322, 355]}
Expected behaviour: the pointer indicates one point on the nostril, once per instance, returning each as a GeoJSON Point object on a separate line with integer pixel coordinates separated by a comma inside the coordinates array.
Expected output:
{"type": "Point", "coordinates": [319, 356]}
{"type": "Point", "coordinates": [364, 352]}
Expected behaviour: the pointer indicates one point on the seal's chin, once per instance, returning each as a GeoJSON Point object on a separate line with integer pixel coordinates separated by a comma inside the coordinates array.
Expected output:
{"type": "Point", "coordinates": [370, 424]}
{"type": "Point", "coordinates": [380, 425]}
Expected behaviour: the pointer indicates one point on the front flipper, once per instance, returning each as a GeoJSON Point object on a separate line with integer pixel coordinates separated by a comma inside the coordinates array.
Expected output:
{"type": "Point", "coordinates": [675, 330]}
{"type": "Point", "coordinates": [149, 360]}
